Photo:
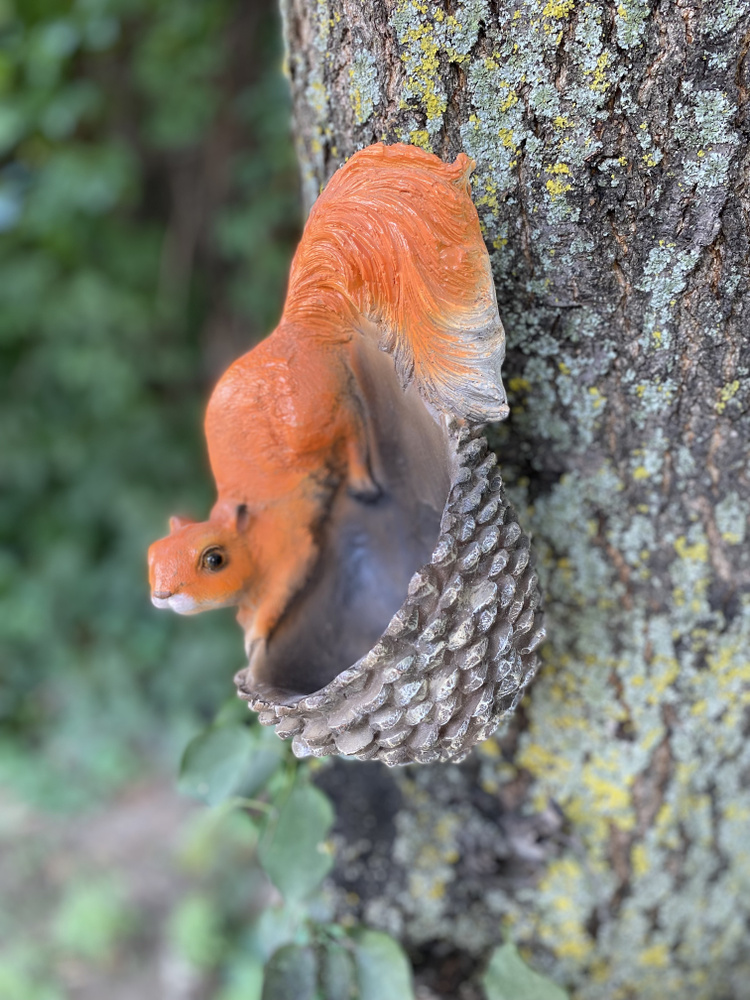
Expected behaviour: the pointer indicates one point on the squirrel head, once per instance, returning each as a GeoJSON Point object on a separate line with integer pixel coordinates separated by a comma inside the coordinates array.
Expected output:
{"type": "Point", "coordinates": [202, 565]}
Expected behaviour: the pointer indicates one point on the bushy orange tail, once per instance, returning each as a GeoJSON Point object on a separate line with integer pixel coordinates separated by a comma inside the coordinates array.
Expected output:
{"type": "Point", "coordinates": [395, 237]}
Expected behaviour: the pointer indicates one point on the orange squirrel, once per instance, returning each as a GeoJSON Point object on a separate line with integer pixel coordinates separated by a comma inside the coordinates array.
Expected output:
{"type": "Point", "coordinates": [392, 247]}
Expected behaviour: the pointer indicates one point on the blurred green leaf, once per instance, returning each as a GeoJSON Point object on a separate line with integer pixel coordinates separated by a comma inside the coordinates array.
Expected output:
{"type": "Point", "coordinates": [229, 760]}
{"type": "Point", "coordinates": [195, 932]}
{"type": "Point", "coordinates": [275, 926]}
{"type": "Point", "coordinates": [91, 919]}
{"type": "Point", "coordinates": [20, 981]}
{"type": "Point", "coordinates": [214, 763]}
{"type": "Point", "coordinates": [119, 308]}
{"type": "Point", "coordinates": [383, 970]}
{"type": "Point", "coordinates": [292, 851]}
{"type": "Point", "coordinates": [246, 980]}
{"type": "Point", "coordinates": [509, 978]}
{"type": "Point", "coordinates": [12, 125]}
{"type": "Point", "coordinates": [337, 974]}
{"type": "Point", "coordinates": [70, 106]}
{"type": "Point", "coordinates": [291, 972]}
{"type": "Point", "coordinates": [49, 44]}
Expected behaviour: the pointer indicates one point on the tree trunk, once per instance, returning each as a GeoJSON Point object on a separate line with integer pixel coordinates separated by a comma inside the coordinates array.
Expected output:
{"type": "Point", "coordinates": [608, 831]}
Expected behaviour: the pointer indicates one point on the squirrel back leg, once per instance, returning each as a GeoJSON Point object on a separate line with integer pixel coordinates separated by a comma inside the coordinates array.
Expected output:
{"type": "Point", "coordinates": [362, 485]}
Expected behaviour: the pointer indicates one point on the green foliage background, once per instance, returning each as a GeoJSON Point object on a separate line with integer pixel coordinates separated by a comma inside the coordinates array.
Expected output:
{"type": "Point", "coordinates": [148, 210]}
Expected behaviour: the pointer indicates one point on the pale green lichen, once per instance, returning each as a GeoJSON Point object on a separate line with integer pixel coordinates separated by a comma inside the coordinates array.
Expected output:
{"type": "Point", "coordinates": [703, 121]}
{"type": "Point", "coordinates": [316, 95]}
{"type": "Point", "coordinates": [725, 16]}
{"type": "Point", "coordinates": [731, 519]}
{"type": "Point", "coordinates": [364, 90]}
{"type": "Point", "coordinates": [630, 22]}
{"type": "Point", "coordinates": [664, 277]}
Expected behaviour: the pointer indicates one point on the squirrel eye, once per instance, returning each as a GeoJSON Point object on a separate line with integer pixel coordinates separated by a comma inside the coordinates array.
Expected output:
{"type": "Point", "coordinates": [213, 559]}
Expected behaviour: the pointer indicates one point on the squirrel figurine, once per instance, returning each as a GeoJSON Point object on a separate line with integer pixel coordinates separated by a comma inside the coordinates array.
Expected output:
{"type": "Point", "coordinates": [392, 252]}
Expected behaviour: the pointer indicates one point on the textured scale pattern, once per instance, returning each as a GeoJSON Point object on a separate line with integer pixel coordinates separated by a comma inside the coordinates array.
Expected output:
{"type": "Point", "coordinates": [455, 658]}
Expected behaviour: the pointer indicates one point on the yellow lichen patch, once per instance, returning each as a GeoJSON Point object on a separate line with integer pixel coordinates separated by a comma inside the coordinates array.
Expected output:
{"type": "Point", "coordinates": [655, 957]}
{"type": "Point", "coordinates": [557, 168]}
{"type": "Point", "coordinates": [562, 121]}
{"type": "Point", "coordinates": [436, 890]}
{"type": "Point", "coordinates": [543, 763]}
{"type": "Point", "coordinates": [737, 812]}
{"type": "Point", "coordinates": [509, 102]}
{"type": "Point", "coordinates": [489, 748]}
{"type": "Point", "coordinates": [564, 929]}
{"type": "Point", "coordinates": [421, 138]}
{"type": "Point", "coordinates": [730, 670]}
{"type": "Point", "coordinates": [597, 399]}
{"type": "Point", "coordinates": [697, 552]}
{"type": "Point", "coordinates": [652, 736]}
{"type": "Point", "coordinates": [356, 98]}
{"type": "Point", "coordinates": [600, 971]}
{"type": "Point", "coordinates": [649, 159]}
{"type": "Point", "coordinates": [664, 672]}
{"type": "Point", "coordinates": [506, 137]}
{"type": "Point", "coordinates": [558, 8]}
{"type": "Point", "coordinates": [518, 384]}
{"type": "Point", "coordinates": [641, 472]}
{"type": "Point", "coordinates": [726, 394]}
{"type": "Point", "coordinates": [423, 75]}
{"type": "Point", "coordinates": [557, 188]}
{"type": "Point", "coordinates": [600, 83]}
{"type": "Point", "coordinates": [610, 798]}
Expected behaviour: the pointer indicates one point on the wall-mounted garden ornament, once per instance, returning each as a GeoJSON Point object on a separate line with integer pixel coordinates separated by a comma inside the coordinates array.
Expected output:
{"type": "Point", "coordinates": [382, 579]}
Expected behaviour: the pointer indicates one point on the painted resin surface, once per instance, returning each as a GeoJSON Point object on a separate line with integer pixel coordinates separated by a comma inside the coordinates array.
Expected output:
{"type": "Point", "coordinates": [381, 579]}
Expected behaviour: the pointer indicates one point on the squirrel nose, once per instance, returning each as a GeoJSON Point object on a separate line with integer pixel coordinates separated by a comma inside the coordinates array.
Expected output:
{"type": "Point", "coordinates": [162, 595]}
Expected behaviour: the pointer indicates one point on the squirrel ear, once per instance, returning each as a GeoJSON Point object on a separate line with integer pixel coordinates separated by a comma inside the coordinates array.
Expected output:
{"type": "Point", "coordinates": [242, 517]}
{"type": "Point", "coordinates": [175, 523]}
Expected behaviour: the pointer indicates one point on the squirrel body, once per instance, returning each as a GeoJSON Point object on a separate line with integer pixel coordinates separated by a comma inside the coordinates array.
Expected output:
{"type": "Point", "coordinates": [392, 248]}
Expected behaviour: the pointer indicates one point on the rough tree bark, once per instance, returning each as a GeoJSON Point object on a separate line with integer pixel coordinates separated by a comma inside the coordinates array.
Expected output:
{"type": "Point", "coordinates": [609, 830]}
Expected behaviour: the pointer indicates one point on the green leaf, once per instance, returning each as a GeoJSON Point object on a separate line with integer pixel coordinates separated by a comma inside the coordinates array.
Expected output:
{"type": "Point", "coordinates": [276, 926]}
{"type": "Point", "coordinates": [383, 970]}
{"type": "Point", "coordinates": [291, 974]}
{"type": "Point", "coordinates": [215, 763]}
{"type": "Point", "coordinates": [195, 931]}
{"type": "Point", "coordinates": [245, 980]}
{"type": "Point", "coordinates": [12, 126]}
{"type": "Point", "coordinates": [266, 755]}
{"type": "Point", "coordinates": [92, 918]}
{"type": "Point", "coordinates": [509, 978]}
{"type": "Point", "coordinates": [337, 981]}
{"type": "Point", "coordinates": [292, 850]}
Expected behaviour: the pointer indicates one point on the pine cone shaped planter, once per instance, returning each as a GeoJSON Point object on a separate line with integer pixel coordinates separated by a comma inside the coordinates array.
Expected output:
{"type": "Point", "coordinates": [457, 655]}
